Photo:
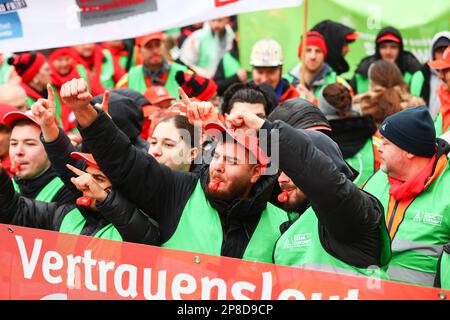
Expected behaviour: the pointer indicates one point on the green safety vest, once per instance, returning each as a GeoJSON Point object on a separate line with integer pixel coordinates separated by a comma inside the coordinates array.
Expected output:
{"type": "Point", "coordinates": [425, 229]}
{"type": "Point", "coordinates": [363, 162]}
{"type": "Point", "coordinates": [48, 192]}
{"type": "Point", "coordinates": [136, 79]}
{"type": "Point", "coordinates": [200, 230]}
{"type": "Point", "coordinates": [362, 83]}
{"type": "Point", "coordinates": [330, 78]}
{"type": "Point", "coordinates": [107, 73]}
{"type": "Point", "coordinates": [417, 82]}
{"type": "Point", "coordinates": [439, 125]}
{"type": "Point", "coordinates": [300, 246]}
{"type": "Point", "coordinates": [208, 50]}
{"type": "Point", "coordinates": [445, 270]}
{"type": "Point", "coordinates": [230, 65]}
{"type": "Point", "coordinates": [74, 222]}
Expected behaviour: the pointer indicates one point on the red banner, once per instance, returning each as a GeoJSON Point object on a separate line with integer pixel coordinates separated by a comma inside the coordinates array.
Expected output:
{"type": "Point", "coordinates": [38, 264]}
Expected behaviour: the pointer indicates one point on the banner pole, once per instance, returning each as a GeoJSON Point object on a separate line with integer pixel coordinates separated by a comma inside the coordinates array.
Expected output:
{"type": "Point", "coordinates": [305, 30]}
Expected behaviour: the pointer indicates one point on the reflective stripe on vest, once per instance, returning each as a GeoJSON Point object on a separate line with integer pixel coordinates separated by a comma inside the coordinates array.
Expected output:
{"type": "Point", "coordinates": [48, 192]}
{"type": "Point", "coordinates": [300, 246]}
{"type": "Point", "coordinates": [74, 222]}
{"type": "Point", "coordinates": [200, 230]}
{"type": "Point", "coordinates": [424, 230]}
{"type": "Point", "coordinates": [136, 79]}
{"type": "Point", "coordinates": [445, 271]}
{"type": "Point", "coordinates": [363, 162]}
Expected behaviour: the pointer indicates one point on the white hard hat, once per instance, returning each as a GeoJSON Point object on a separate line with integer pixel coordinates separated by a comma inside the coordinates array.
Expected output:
{"type": "Point", "coordinates": [266, 53]}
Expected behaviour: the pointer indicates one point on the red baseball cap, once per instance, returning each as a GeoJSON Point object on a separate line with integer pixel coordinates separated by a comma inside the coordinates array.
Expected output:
{"type": "Point", "coordinates": [12, 117]}
{"type": "Point", "coordinates": [157, 94]}
{"type": "Point", "coordinates": [388, 37]}
{"type": "Point", "coordinates": [443, 63]}
{"type": "Point", "coordinates": [249, 142]}
{"type": "Point", "coordinates": [90, 161]}
{"type": "Point", "coordinates": [143, 40]}
{"type": "Point", "coordinates": [5, 109]}
{"type": "Point", "coordinates": [352, 36]}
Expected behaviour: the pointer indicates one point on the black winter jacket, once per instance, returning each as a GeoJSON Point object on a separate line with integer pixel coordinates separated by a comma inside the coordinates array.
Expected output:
{"type": "Point", "coordinates": [349, 218]}
{"type": "Point", "coordinates": [30, 188]}
{"type": "Point", "coordinates": [59, 152]}
{"type": "Point", "coordinates": [18, 210]}
{"type": "Point", "coordinates": [163, 192]}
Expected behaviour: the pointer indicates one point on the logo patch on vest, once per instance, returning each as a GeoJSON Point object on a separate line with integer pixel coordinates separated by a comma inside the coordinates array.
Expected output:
{"type": "Point", "coordinates": [429, 218]}
{"type": "Point", "coordinates": [298, 241]}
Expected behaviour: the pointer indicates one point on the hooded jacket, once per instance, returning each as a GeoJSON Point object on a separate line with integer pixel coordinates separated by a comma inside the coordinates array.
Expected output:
{"type": "Point", "coordinates": [127, 114]}
{"type": "Point", "coordinates": [334, 34]}
{"type": "Point", "coordinates": [164, 193]}
{"type": "Point", "coordinates": [427, 79]}
{"type": "Point", "coordinates": [406, 61]}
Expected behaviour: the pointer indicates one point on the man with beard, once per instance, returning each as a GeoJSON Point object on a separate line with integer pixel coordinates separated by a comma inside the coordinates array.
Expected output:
{"type": "Point", "coordinates": [156, 70]}
{"type": "Point", "coordinates": [341, 228]}
{"type": "Point", "coordinates": [316, 72]}
{"type": "Point", "coordinates": [223, 210]}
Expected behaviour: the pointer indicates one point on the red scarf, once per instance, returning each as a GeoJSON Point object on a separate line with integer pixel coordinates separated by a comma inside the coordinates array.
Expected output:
{"type": "Point", "coordinates": [407, 190]}
{"type": "Point", "coordinates": [30, 92]}
{"type": "Point", "coordinates": [94, 62]}
{"type": "Point", "coordinates": [444, 96]}
{"type": "Point", "coordinates": [57, 79]}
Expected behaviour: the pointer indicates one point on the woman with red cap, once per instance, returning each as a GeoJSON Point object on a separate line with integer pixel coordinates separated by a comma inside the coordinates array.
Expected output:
{"type": "Point", "coordinates": [389, 46]}
{"type": "Point", "coordinates": [33, 68]}
{"type": "Point", "coordinates": [63, 68]}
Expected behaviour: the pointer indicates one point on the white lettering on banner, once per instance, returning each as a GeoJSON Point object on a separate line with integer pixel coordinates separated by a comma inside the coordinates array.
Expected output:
{"type": "Point", "coordinates": [92, 22]}
{"type": "Point", "coordinates": [47, 265]}
{"type": "Point", "coordinates": [125, 278]}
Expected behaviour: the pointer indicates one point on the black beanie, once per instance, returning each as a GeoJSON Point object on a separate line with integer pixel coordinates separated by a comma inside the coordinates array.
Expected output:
{"type": "Point", "coordinates": [412, 130]}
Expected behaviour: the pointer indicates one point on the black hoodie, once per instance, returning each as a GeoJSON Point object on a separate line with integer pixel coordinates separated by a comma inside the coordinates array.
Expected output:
{"type": "Point", "coordinates": [334, 34]}
{"type": "Point", "coordinates": [406, 61]}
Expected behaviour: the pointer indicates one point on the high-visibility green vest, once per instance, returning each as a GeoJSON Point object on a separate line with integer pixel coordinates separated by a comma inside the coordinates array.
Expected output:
{"type": "Point", "coordinates": [362, 83]}
{"type": "Point", "coordinates": [208, 51]}
{"type": "Point", "coordinates": [425, 229]}
{"type": "Point", "coordinates": [74, 222]}
{"type": "Point", "coordinates": [439, 125]}
{"type": "Point", "coordinates": [230, 65]}
{"type": "Point", "coordinates": [200, 230]}
{"type": "Point", "coordinates": [330, 78]}
{"type": "Point", "coordinates": [300, 246]}
{"type": "Point", "coordinates": [445, 270]}
{"type": "Point", "coordinates": [48, 192]}
{"type": "Point", "coordinates": [107, 73]}
{"type": "Point", "coordinates": [363, 162]}
{"type": "Point", "coordinates": [417, 82]}
{"type": "Point", "coordinates": [136, 79]}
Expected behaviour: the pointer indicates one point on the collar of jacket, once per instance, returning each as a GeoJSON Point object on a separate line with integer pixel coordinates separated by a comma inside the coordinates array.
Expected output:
{"type": "Point", "coordinates": [31, 187]}
{"type": "Point", "coordinates": [242, 207]}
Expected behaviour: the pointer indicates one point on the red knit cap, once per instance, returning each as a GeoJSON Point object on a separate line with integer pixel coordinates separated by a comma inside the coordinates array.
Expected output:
{"type": "Point", "coordinates": [314, 38]}
{"type": "Point", "coordinates": [27, 64]}
{"type": "Point", "coordinates": [196, 86]}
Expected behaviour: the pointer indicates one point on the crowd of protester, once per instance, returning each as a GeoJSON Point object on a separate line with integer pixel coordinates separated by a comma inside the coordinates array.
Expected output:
{"type": "Point", "coordinates": [170, 142]}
